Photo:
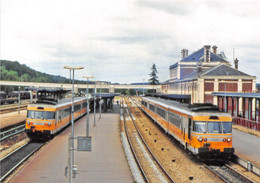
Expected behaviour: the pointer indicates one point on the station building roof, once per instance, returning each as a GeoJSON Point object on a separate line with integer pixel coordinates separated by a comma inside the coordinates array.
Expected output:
{"type": "Point", "coordinates": [198, 55]}
{"type": "Point", "coordinates": [220, 70]}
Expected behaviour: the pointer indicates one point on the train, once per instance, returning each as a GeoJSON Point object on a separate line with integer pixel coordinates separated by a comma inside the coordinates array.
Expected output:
{"type": "Point", "coordinates": [200, 128]}
{"type": "Point", "coordinates": [12, 97]}
{"type": "Point", "coordinates": [46, 118]}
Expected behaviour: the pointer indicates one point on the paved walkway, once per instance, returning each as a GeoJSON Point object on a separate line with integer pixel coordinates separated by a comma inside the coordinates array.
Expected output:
{"type": "Point", "coordinates": [247, 146]}
{"type": "Point", "coordinates": [106, 162]}
{"type": "Point", "coordinates": [12, 118]}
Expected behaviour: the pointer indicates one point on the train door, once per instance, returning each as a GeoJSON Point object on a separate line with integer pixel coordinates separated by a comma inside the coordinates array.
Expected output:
{"type": "Point", "coordinates": [189, 128]}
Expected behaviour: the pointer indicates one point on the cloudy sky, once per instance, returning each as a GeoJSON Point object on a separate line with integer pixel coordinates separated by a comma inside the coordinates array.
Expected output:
{"type": "Point", "coordinates": [119, 40]}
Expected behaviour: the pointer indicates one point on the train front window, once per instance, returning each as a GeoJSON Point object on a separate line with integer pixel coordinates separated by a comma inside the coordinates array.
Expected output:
{"type": "Point", "coordinates": [227, 127]}
{"type": "Point", "coordinates": [50, 115]}
{"type": "Point", "coordinates": [214, 127]}
{"type": "Point", "coordinates": [39, 115]}
{"type": "Point", "coordinates": [30, 114]}
{"type": "Point", "coordinates": [199, 127]}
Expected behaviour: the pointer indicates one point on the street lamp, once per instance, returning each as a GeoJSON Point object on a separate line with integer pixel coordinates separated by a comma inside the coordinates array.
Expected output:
{"type": "Point", "coordinates": [95, 104]}
{"type": "Point", "coordinates": [72, 121]}
{"type": "Point", "coordinates": [100, 100]}
{"type": "Point", "coordinates": [87, 132]}
{"type": "Point", "coordinates": [143, 87]}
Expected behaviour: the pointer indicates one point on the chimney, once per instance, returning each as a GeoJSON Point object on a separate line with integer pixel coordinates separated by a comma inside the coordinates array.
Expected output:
{"type": "Point", "coordinates": [186, 53]}
{"type": "Point", "coordinates": [207, 53]}
{"type": "Point", "coordinates": [214, 49]}
{"type": "Point", "coordinates": [236, 63]}
{"type": "Point", "coordinates": [183, 53]}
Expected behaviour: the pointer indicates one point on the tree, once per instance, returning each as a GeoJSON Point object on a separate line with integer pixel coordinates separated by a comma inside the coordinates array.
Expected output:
{"type": "Point", "coordinates": [154, 78]}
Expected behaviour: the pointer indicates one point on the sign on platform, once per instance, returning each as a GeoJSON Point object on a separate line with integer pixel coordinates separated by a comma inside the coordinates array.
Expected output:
{"type": "Point", "coordinates": [84, 144]}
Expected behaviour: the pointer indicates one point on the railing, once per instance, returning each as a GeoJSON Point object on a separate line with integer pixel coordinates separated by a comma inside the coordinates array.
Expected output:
{"type": "Point", "coordinates": [254, 125]}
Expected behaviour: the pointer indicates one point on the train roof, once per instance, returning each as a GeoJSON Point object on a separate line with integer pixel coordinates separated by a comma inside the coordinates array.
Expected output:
{"type": "Point", "coordinates": [196, 109]}
{"type": "Point", "coordinates": [60, 103]}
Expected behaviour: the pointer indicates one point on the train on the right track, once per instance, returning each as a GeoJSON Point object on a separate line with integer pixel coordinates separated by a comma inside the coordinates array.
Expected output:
{"type": "Point", "coordinates": [201, 128]}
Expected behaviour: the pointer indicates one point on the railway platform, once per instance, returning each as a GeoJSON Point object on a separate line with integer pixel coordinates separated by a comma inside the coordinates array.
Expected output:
{"type": "Point", "coordinates": [12, 118]}
{"type": "Point", "coordinates": [105, 163]}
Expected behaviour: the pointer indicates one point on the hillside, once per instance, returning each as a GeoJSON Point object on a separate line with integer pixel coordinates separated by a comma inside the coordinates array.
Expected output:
{"type": "Point", "coordinates": [14, 71]}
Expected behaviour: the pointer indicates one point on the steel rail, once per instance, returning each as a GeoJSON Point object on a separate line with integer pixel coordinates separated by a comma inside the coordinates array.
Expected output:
{"type": "Point", "coordinates": [150, 151]}
{"type": "Point", "coordinates": [133, 151]}
{"type": "Point", "coordinates": [11, 132]}
{"type": "Point", "coordinates": [3, 177]}
{"type": "Point", "coordinates": [230, 174]}
{"type": "Point", "coordinates": [6, 110]}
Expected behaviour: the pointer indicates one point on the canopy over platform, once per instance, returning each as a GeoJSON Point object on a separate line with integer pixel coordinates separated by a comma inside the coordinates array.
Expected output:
{"type": "Point", "coordinates": [179, 98]}
{"type": "Point", "coordinates": [50, 95]}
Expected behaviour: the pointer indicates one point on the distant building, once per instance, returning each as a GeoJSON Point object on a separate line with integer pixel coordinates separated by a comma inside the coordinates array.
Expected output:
{"type": "Point", "coordinates": [203, 72]}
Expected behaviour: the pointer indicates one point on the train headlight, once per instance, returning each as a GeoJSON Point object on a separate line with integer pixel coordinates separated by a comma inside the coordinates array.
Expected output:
{"type": "Point", "coordinates": [200, 139]}
{"type": "Point", "coordinates": [205, 139]}
{"type": "Point", "coordinates": [28, 122]}
{"type": "Point", "coordinates": [229, 139]}
{"type": "Point", "coordinates": [49, 124]}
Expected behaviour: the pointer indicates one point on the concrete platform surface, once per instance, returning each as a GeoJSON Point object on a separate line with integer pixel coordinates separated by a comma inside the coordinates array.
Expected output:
{"type": "Point", "coordinates": [247, 146]}
{"type": "Point", "coordinates": [106, 162]}
{"type": "Point", "coordinates": [12, 118]}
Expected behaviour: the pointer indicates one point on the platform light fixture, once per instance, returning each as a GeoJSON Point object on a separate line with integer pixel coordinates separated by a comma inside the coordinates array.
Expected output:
{"type": "Point", "coordinates": [72, 121]}
{"type": "Point", "coordinates": [100, 99]}
{"type": "Point", "coordinates": [87, 130]}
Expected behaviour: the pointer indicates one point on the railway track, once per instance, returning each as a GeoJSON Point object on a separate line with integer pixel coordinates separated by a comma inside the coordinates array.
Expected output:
{"type": "Point", "coordinates": [10, 132]}
{"type": "Point", "coordinates": [16, 158]}
{"type": "Point", "coordinates": [150, 167]}
{"type": "Point", "coordinates": [12, 109]}
{"type": "Point", "coordinates": [225, 173]}
{"type": "Point", "coordinates": [228, 174]}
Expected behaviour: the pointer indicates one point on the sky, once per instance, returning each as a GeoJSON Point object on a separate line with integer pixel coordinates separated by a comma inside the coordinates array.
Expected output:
{"type": "Point", "coordinates": [119, 40]}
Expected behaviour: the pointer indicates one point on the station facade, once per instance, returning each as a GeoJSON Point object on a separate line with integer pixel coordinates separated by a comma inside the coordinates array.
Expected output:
{"type": "Point", "coordinates": [204, 72]}
{"type": "Point", "coordinates": [208, 77]}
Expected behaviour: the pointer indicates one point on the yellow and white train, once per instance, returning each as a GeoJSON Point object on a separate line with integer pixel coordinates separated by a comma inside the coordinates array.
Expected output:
{"type": "Point", "coordinates": [200, 128]}
{"type": "Point", "coordinates": [44, 120]}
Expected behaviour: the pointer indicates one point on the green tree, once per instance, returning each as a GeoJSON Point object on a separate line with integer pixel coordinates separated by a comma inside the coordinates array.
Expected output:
{"type": "Point", "coordinates": [25, 77]}
{"type": "Point", "coordinates": [154, 78]}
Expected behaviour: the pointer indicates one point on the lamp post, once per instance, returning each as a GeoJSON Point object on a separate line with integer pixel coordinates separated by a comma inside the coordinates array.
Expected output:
{"type": "Point", "coordinates": [100, 100]}
{"type": "Point", "coordinates": [143, 87]}
{"type": "Point", "coordinates": [95, 105]}
{"type": "Point", "coordinates": [71, 163]}
{"type": "Point", "coordinates": [87, 131]}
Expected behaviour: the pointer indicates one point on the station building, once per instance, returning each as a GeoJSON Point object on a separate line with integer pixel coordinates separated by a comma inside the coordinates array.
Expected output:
{"type": "Point", "coordinates": [205, 73]}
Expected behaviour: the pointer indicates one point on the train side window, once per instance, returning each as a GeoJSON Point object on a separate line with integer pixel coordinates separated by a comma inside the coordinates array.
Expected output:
{"type": "Point", "coordinates": [30, 114]}
{"type": "Point", "coordinates": [77, 108]}
{"type": "Point", "coordinates": [50, 115]}
{"type": "Point", "coordinates": [227, 127]}
{"type": "Point", "coordinates": [151, 107]}
{"type": "Point", "coordinates": [175, 119]}
{"type": "Point", "coordinates": [199, 126]}
{"type": "Point", "coordinates": [84, 104]}
{"type": "Point", "coordinates": [214, 127]}
{"type": "Point", "coordinates": [161, 112]}
{"type": "Point", "coordinates": [39, 115]}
